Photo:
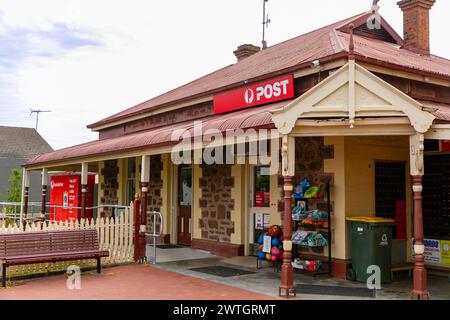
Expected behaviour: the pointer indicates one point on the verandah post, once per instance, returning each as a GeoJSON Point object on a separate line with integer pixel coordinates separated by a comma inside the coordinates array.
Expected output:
{"type": "Point", "coordinates": [44, 193]}
{"type": "Point", "coordinates": [84, 186]}
{"type": "Point", "coordinates": [145, 176]}
{"type": "Point", "coordinates": [288, 170]}
{"type": "Point", "coordinates": [25, 191]}
{"type": "Point", "coordinates": [136, 209]}
{"type": "Point", "coordinates": [420, 291]}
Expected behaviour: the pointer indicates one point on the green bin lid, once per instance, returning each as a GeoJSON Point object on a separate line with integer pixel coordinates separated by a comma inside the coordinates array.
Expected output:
{"type": "Point", "coordinates": [370, 219]}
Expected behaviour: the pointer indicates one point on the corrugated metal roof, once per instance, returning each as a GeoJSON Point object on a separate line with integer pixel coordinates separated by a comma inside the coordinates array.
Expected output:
{"type": "Point", "coordinates": [243, 119]}
{"type": "Point", "coordinates": [319, 44]}
{"type": "Point", "coordinates": [442, 112]}
{"type": "Point", "coordinates": [394, 54]}
{"type": "Point", "coordinates": [310, 46]}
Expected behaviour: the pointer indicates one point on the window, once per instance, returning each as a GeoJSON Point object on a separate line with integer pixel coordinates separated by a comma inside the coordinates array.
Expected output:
{"type": "Point", "coordinates": [436, 197]}
{"type": "Point", "coordinates": [262, 186]}
{"type": "Point", "coordinates": [185, 185]}
{"type": "Point", "coordinates": [390, 194]}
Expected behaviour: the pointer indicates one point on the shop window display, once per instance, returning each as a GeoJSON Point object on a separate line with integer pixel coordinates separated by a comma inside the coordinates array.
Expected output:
{"type": "Point", "coordinates": [312, 229]}
{"type": "Point", "coordinates": [262, 186]}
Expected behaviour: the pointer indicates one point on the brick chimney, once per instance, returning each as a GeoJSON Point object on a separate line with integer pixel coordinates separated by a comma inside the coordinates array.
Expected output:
{"type": "Point", "coordinates": [245, 51]}
{"type": "Point", "coordinates": [416, 24]}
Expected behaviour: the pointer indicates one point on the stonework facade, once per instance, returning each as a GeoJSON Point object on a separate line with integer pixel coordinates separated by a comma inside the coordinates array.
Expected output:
{"type": "Point", "coordinates": [110, 186]}
{"type": "Point", "coordinates": [154, 198]}
{"type": "Point", "coordinates": [216, 203]}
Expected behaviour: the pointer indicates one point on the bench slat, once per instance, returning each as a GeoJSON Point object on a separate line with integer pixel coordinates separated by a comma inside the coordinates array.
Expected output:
{"type": "Point", "coordinates": [48, 243]}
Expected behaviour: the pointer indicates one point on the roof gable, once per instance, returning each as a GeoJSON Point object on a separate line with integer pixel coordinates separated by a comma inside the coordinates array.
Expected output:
{"type": "Point", "coordinates": [372, 26]}
{"type": "Point", "coordinates": [21, 143]}
{"type": "Point", "coordinates": [352, 92]}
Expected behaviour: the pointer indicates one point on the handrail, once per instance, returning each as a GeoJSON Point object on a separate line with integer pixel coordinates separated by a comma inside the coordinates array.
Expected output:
{"type": "Point", "coordinates": [154, 234]}
{"type": "Point", "coordinates": [15, 212]}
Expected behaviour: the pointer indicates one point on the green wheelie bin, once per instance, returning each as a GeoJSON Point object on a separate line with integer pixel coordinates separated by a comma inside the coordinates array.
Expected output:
{"type": "Point", "coordinates": [371, 244]}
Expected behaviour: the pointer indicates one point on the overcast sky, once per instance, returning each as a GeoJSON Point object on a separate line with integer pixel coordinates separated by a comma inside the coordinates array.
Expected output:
{"type": "Point", "coordinates": [87, 59]}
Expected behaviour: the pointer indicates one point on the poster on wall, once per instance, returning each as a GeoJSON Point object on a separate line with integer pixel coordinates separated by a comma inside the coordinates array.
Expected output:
{"type": "Point", "coordinates": [259, 199]}
{"type": "Point", "coordinates": [445, 253]}
{"type": "Point", "coordinates": [432, 253]}
{"type": "Point", "coordinates": [259, 222]}
{"type": "Point", "coordinates": [266, 221]}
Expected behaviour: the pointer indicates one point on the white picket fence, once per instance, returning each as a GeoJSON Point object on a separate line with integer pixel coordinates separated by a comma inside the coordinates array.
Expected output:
{"type": "Point", "coordinates": [115, 235]}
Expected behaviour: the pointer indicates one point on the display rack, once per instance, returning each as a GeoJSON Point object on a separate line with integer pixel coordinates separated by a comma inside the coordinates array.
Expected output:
{"type": "Point", "coordinates": [325, 230]}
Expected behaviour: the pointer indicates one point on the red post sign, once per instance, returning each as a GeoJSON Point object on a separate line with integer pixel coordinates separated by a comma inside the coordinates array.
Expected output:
{"type": "Point", "coordinates": [253, 95]}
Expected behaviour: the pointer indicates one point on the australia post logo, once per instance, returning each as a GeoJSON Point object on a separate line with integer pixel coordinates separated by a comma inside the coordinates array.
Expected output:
{"type": "Point", "coordinates": [257, 94]}
{"type": "Point", "coordinates": [54, 184]}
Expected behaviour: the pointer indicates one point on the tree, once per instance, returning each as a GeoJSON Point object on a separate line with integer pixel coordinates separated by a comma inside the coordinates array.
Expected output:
{"type": "Point", "coordinates": [14, 191]}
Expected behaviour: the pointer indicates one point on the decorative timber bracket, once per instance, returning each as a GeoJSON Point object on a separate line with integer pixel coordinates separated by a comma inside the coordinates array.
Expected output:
{"type": "Point", "coordinates": [417, 148]}
{"type": "Point", "coordinates": [352, 93]}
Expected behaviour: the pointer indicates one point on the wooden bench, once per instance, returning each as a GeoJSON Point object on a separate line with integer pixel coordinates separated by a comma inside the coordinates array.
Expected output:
{"type": "Point", "coordinates": [39, 247]}
{"type": "Point", "coordinates": [403, 267]}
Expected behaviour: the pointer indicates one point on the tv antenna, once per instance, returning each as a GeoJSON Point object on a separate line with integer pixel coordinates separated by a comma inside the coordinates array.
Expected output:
{"type": "Point", "coordinates": [266, 22]}
{"type": "Point", "coordinates": [37, 111]}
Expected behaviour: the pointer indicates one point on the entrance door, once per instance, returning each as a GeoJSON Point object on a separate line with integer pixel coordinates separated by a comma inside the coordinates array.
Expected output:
{"type": "Point", "coordinates": [184, 205]}
{"type": "Point", "coordinates": [260, 205]}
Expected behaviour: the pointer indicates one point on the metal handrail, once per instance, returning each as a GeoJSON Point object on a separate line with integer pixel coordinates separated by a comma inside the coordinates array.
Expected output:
{"type": "Point", "coordinates": [15, 214]}
{"type": "Point", "coordinates": [154, 234]}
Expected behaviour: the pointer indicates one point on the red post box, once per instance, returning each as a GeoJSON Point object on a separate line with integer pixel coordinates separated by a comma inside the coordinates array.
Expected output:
{"type": "Point", "coordinates": [65, 193]}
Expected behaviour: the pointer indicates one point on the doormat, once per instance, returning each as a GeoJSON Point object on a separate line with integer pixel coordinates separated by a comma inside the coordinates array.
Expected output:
{"type": "Point", "coordinates": [222, 271]}
{"type": "Point", "coordinates": [336, 291]}
{"type": "Point", "coordinates": [168, 246]}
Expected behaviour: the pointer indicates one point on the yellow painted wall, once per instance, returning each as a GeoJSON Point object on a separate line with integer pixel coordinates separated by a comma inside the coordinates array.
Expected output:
{"type": "Point", "coordinates": [338, 191]}
{"type": "Point", "coordinates": [238, 215]}
{"type": "Point", "coordinates": [138, 175]}
{"type": "Point", "coordinates": [276, 194]}
{"type": "Point", "coordinates": [166, 193]}
{"type": "Point", "coordinates": [360, 156]}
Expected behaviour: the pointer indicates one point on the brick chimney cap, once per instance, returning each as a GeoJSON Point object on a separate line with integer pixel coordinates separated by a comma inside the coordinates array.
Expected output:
{"type": "Point", "coordinates": [246, 50]}
{"type": "Point", "coordinates": [404, 4]}
{"type": "Point", "coordinates": [248, 46]}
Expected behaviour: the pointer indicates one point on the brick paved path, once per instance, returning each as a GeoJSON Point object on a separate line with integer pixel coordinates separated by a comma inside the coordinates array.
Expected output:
{"type": "Point", "coordinates": [128, 282]}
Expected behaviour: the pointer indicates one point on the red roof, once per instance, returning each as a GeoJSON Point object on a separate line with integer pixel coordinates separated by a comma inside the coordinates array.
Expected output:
{"type": "Point", "coordinates": [442, 112]}
{"type": "Point", "coordinates": [327, 43]}
{"type": "Point", "coordinates": [259, 117]}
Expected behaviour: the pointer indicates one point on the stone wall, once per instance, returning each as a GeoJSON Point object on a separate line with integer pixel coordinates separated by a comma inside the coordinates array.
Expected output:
{"type": "Point", "coordinates": [154, 198]}
{"type": "Point", "coordinates": [310, 154]}
{"type": "Point", "coordinates": [110, 186]}
{"type": "Point", "coordinates": [216, 203]}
